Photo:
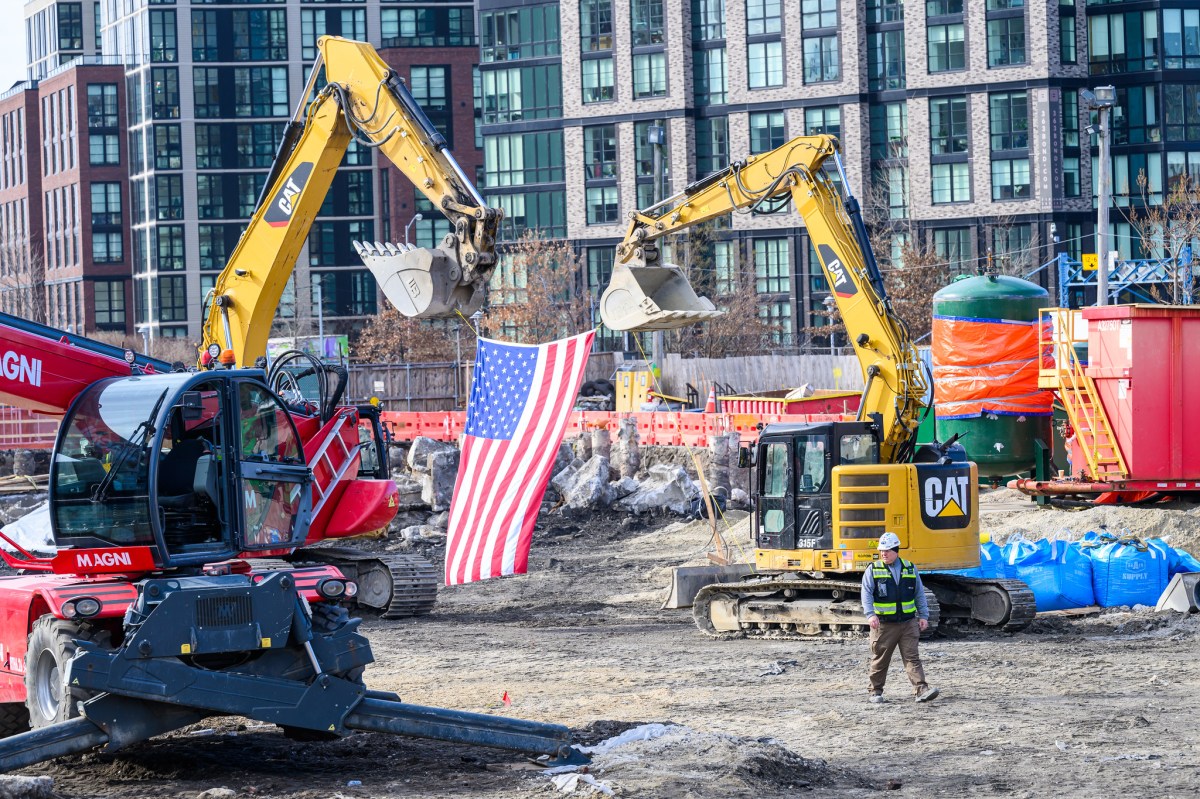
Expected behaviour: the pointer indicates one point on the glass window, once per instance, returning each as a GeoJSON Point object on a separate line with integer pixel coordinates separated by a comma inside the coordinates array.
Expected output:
{"type": "Point", "coordinates": [600, 262]}
{"type": "Point", "coordinates": [765, 63]}
{"type": "Point", "coordinates": [1009, 121]}
{"type": "Point", "coordinates": [821, 62]}
{"type": "Point", "coordinates": [106, 204]}
{"type": "Point", "coordinates": [646, 21]}
{"type": "Point", "coordinates": [510, 95]}
{"type": "Point", "coordinates": [1181, 38]}
{"type": "Point", "coordinates": [259, 35]}
{"type": "Point", "coordinates": [598, 86]}
{"type": "Point", "coordinates": [350, 23]}
{"type": "Point", "coordinates": [709, 76]}
{"type": "Point", "coordinates": [889, 131]}
{"type": "Point", "coordinates": [859, 450]}
{"type": "Point", "coordinates": [644, 151]}
{"type": "Point", "coordinates": [1011, 243]}
{"type": "Point", "coordinates": [767, 131]}
{"type": "Point", "coordinates": [1071, 177]}
{"type": "Point", "coordinates": [649, 75]}
{"type": "Point", "coordinates": [171, 300]}
{"type": "Point", "coordinates": [439, 27]}
{"type": "Point", "coordinates": [951, 183]}
{"type": "Point", "coordinates": [168, 191]}
{"type": "Point", "coordinates": [164, 89]}
{"type": "Point", "coordinates": [1006, 41]}
{"type": "Point", "coordinates": [885, 60]}
{"type": "Point", "coordinates": [818, 14]}
{"type": "Point", "coordinates": [712, 145]}
{"type": "Point", "coordinates": [517, 159]}
{"type": "Point", "coordinates": [880, 11]}
{"type": "Point", "coordinates": [163, 45]}
{"type": "Point", "coordinates": [170, 247]}
{"type": "Point", "coordinates": [102, 106]}
{"type": "Point", "coordinates": [1010, 179]}
{"type": "Point", "coordinates": [168, 148]}
{"type": "Point", "coordinates": [775, 470]}
{"type": "Point", "coordinates": [763, 16]}
{"type": "Point", "coordinates": [953, 246]}
{"type": "Point", "coordinates": [600, 151]}
{"type": "Point", "coordinates": [1066, 38]}
{"type": "Point", "coordinates": [270, 507]}
{"type": "Point", "coordinates": [1070, 115]}
{"type": "Point", "coordinates": [110, 303]}
{"type": "Point", "coordinates": [430, 88]}
{"type": "Point", "coordinates": [819, 121]}
{"type": "Point", "coordinates": [772, 266]}
{"type": "Point", "coordinates": [943, 8]}
{"type": "Point", "coordinates": [946, 48]}
{"type": "Point", "coordinates": [602, 205]}
{"type": "Point", "coordinates": [260, 92]}
{"type": "Point", "coordinates": [810, 464]}
{"type": "Point", "coordinates": [595, 25]}
{"type": "Point", "coordinates": [526, 32]}
{"type": "Point", "coordinates": [708, 20]}
{"type": "Point", "coordinates": [106, 247]}
{"type": "Point", "coordinates": [104, 149]}
{"type": "Point", "coordinates": [948, 125]}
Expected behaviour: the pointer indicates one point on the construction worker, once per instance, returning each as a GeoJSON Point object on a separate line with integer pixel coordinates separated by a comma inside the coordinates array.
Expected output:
{"type": "Point", "coordinates": [894, 603]}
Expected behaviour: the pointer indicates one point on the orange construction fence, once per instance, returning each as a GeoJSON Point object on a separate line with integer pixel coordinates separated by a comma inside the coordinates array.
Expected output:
{"type": "Point", "coordinates": [658, 428]}
{"type": "Point", "coordinates": [21, 429]}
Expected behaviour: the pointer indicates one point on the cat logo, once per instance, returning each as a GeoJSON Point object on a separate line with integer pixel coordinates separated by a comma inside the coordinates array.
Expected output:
{"type": "Point", "coordinates": [283, 204]}
{"type": "Point", "coordinates": [843, 286]}
{"type": "Point", "coordinates": [945, 497]}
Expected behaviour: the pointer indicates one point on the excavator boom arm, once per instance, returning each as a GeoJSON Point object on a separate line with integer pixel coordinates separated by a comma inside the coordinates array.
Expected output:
{"type": "Point", "coordinates": [364, 100]}
{"type": "Point", "coordinates": [896, 384]}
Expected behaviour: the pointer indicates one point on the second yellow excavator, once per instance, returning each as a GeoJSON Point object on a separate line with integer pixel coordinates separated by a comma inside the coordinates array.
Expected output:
{"type": "Point", "coordinates": [823, 493]}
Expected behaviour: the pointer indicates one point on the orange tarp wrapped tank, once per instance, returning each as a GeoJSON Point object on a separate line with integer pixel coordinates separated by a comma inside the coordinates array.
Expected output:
{"type": "Point", "coordinates": [986, 366]}
{"type": "Point", "coordinates": [985, 371]}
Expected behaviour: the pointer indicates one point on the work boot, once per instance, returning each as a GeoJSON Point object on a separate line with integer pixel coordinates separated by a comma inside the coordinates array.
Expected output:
{"type": "Point", "coordinates": [928, 695]}
{"type": "Point", "coordinates": [876, 699]}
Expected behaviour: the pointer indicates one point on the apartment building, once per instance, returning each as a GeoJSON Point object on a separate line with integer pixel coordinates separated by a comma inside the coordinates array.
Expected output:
{"type": "Point", "coordinates": [160, 189]}
{"type": "Point", "coordinates": [960, 121]}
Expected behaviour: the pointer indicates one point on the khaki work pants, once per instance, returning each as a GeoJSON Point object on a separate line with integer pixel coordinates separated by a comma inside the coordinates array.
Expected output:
{"type": "Point", "coordinates": [885, 639]}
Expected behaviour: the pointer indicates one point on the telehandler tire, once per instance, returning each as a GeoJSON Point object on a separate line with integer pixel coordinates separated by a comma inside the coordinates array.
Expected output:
{"type": "Point", "coordinates": [48, 698]}
{"type": "Point", "coordinates": [14, 719]}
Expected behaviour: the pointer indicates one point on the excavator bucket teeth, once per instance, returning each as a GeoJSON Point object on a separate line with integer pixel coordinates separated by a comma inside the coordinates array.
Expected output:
{"type": "Point", "coordinates": [420, 282]}
{"type": "Point", "coordinates": [652, 298]}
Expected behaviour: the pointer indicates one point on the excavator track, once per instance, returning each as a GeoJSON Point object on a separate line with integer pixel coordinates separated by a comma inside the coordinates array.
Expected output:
{"type": "Point", "coordinates": [1006, 605]}
{"type": "Point", "coordinates": [807, 609]}
{"type": "Point", "coordinates": [397, 585]}
{"type": "Point", "coordinates": [794, 609]}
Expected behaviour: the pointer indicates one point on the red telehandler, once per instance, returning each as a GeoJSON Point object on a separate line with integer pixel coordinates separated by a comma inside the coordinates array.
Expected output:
{"type": "Point", "coordinates": [152, 615]}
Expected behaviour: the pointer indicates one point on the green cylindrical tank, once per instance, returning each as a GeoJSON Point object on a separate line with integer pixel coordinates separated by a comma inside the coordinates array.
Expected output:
{"type": "Point", "coordinates": [1001, 445]}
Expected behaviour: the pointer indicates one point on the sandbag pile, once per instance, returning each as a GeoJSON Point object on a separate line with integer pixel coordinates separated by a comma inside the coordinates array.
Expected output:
{"type": "Point", "coordinates": [1099, 569]}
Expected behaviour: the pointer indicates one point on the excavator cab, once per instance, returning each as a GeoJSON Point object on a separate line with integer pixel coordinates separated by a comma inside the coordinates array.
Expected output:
{"type": "Point", "coordinates": [192, 467]}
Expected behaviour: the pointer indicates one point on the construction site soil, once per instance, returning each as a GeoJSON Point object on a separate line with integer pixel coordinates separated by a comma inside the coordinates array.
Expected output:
{"type": "Point", "coordinates": [1074, 706]}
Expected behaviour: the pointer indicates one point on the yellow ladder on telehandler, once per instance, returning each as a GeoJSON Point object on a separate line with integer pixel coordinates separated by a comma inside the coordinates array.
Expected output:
{"type": "Point", "coordinates": [1077, 392]}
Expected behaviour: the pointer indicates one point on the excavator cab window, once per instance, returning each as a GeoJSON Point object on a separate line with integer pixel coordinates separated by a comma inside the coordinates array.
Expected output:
{"type": "Point", "coordinates": [190, 471]}
{"type": "Point", "coordinates": [811, 464]}
{"type": "Point", "coordinates": [859, 449]}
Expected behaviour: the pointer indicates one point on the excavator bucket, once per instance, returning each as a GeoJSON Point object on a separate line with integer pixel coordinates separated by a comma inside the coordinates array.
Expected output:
{"type": "Point", "coordinates": [652, 298]}
{"type": "Point", "coordinates": [1182, 593]}
{"type": "Point", "coordinates": [420, 282]}
{"type": "Point", "coordinates": [686, 581]}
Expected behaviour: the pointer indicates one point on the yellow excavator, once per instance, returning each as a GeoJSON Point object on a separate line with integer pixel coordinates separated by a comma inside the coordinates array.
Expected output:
{"type": "Point", "coordinates": [362, 100]}
{"type": "Point", "coordinates": [823, 493]}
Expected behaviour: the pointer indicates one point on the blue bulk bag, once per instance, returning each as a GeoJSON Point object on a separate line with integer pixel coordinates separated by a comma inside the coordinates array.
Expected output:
{"type": "Point", "coordinates": [1058, 574]}
{"type": "Point", "coordinates": [1186, 563]}
{"type": "Point", "coordinates": [991, 561]}
{"type": "Point", "coordinates": [1127, 572]}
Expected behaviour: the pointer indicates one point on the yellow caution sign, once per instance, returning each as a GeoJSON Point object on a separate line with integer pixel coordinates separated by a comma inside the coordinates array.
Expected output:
{"type": "Point", "coordinates": [1090, 261]}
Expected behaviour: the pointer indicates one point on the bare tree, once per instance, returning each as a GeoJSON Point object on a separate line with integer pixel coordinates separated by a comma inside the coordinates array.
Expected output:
{"type": "Point", "coordinates": [1169, 229]}
{"type": "Point", "coordinates": [535, 293]}
{"type": "Point", "coordinates": [22, 279]}
{"type": "Point", "coordinates": [391, 337]}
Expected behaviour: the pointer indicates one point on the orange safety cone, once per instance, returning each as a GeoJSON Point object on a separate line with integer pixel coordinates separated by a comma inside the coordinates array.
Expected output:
{"type": "Point", "coordinates": [711, 405]}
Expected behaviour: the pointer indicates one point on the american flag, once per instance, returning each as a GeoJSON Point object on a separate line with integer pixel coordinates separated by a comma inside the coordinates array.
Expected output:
{"type": "Point", "coordinates": [521, 399]}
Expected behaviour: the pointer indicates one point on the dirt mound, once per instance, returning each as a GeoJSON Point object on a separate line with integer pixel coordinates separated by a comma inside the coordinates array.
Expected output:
{"type": "Point", "coordinates": [660, 760]}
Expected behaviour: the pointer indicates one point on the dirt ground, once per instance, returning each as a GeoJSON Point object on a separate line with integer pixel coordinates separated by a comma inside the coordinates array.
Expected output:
{"type": "Point", "coordinates": [1084, 706]}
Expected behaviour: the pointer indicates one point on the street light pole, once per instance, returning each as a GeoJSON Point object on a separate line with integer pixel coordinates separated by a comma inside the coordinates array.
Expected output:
{"type": "Point", "coordinates": [657, 136]}
{"type": "Point", "coordinates": [319, 300]}
{"type": "Point", "coordinates": [1102, 98]}
{"type": "Point", "coordinates": [416, 218]}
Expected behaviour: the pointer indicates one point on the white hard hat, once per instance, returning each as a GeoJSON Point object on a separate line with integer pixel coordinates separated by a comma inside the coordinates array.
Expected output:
{"type": "Point", "coordinates": [889, 541]}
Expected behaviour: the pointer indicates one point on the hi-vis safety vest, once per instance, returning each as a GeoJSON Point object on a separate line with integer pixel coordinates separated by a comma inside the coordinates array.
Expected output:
{"type": "Point", "coordinates": [892, 602]}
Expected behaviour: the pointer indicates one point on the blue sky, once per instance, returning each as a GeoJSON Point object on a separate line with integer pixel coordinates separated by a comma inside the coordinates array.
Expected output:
{"type": "Point", "coordinates": [12, 44]}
